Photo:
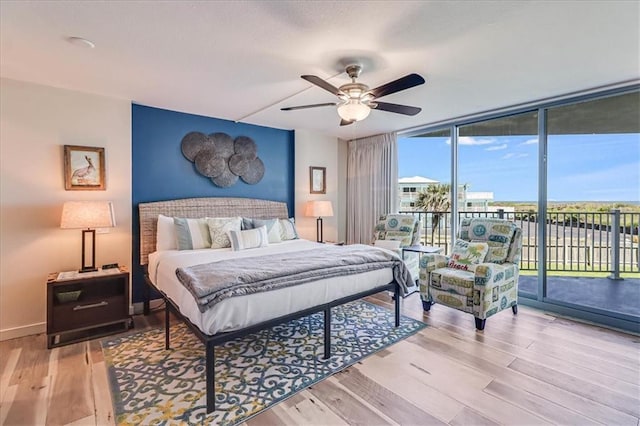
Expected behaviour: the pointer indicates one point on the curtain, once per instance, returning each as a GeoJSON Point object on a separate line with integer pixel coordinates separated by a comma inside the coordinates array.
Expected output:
{"type": "Point", "coordinates": [372, 184]}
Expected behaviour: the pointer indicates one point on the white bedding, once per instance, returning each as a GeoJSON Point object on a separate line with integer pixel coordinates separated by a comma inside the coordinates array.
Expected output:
{"type": "Point", "coordinates": [240, 312]}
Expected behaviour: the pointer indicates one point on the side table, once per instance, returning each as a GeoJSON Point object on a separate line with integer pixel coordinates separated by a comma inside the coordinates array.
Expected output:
{"type": "Point", "coordinates": [420, 249]}
{"type": "Point", "coordinates": [82, 306]}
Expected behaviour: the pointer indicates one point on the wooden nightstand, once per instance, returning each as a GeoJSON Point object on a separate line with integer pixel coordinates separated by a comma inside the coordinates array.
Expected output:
{"type": "Point", "coordinates": [86, 306]}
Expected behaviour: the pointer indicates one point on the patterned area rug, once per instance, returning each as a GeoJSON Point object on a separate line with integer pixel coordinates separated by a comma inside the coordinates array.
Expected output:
{"type": "Point", "coordinates": [153, 386]}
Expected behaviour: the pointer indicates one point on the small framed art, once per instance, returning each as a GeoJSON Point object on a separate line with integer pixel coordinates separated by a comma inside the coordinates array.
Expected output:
{"type": "Point", "coordinates": [84, 168]}
{"type": "Point", "coordinates": [317, 180]}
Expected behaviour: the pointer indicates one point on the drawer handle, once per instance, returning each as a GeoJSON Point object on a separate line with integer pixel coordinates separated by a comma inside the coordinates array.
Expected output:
{"type": "Point", "coordinates": [93, 305]}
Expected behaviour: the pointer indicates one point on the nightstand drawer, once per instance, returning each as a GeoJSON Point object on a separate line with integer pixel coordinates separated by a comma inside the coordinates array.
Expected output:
{"type": "Point", "coordinates": [88, 313]}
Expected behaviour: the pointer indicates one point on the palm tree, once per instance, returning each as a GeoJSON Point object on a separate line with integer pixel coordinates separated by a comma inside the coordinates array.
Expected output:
{"type": "Point", "coordinates": [435, 199]}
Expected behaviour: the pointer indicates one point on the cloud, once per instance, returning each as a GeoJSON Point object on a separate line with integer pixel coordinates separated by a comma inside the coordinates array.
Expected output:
{"type": "Point", "coordinates": [530, 142]}
{"type": "Point", "coordinates": [468, 140]}
{"type": "Point", "coordinates": [512, 155]}
{"type": "Point", "coordinates": [496, 147]}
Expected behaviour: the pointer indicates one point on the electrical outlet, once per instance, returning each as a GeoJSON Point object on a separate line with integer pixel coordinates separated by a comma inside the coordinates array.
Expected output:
{"type": "Point", "coordinates": [102, 230]}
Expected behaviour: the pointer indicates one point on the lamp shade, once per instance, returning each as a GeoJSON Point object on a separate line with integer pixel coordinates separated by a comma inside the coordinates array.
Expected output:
{"type": "Point", "coordinates": [87, 214]}
{"type": "Point", "coordinates": [319, 209]}
{"type": "Point", "coordinates": [353, 110]}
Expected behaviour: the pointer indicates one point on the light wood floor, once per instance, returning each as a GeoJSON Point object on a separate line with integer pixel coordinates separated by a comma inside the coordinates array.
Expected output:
{"type": "Point", "coordinates": [529, 369]}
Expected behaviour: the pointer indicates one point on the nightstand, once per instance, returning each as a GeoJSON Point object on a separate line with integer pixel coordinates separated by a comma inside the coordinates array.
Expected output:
{"type": "Point", "coordinates": [82, 306]}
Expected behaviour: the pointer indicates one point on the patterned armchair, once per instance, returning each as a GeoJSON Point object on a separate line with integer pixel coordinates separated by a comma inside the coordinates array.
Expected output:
{"type": "Point", "coordinates": [404, 230]}
{"type": "Point", "coordinates": [481, 275]}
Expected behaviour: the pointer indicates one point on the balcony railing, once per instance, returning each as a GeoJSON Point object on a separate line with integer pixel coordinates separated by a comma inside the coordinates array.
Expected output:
{"type": "Point", "coordinates": [576, 241]}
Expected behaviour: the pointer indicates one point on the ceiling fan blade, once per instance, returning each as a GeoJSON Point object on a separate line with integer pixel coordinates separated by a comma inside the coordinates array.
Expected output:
{"type": "Point", "coordinates": [308, 106]}
{"type": "Point", "coordinates": [321, 83]}
{"type": "Point", "coordinates": [398, 109]}
{"type": "Point", "coordinates": [345, 122]}
{"type": "Point", "coordinates": [406, 82]}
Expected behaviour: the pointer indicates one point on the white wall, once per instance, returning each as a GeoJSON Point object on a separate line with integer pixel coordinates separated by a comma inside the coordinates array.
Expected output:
{"type": "Point", "coordinates": [35, 122]}
{"type": "Point", "coordinates": [315, 149]}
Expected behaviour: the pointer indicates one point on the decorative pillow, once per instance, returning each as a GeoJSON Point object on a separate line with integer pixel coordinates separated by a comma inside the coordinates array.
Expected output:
{"type": "Point", "coordinates": [219, 228]}
{"type": "Point", "coordinates": [273, 227]}
{"type": "Point", "coordinates": [247, 223]}
{"type": "Point", "coordinates": [165, 234]}
{"type": "Point", "coordinates": [250, 238]}
{"type": "Point", "coordinates": [388, 244]}
{"type": "Point", "coordinates": [288, 229]}
{"type": "Point", "coordinates": [467, 255]}
{"type": "Point", "coordinates": [191, 234]}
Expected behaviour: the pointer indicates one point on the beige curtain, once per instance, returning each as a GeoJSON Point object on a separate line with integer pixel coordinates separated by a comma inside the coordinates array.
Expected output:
{"type": "Point", "coordinates": [372, 184]}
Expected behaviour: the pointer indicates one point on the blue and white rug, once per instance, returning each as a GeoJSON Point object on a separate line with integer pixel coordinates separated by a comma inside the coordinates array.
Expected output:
{"type": "Point", "coordinates": [153, 386]}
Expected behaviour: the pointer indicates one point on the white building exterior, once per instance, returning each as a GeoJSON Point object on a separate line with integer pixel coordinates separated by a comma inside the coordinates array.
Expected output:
{"type": "Point", "coordinates": [475, 201]}
{"type": "Point", "coordinates": [408, 188]}
{"type": "Point", "coordinates": [468, 201]}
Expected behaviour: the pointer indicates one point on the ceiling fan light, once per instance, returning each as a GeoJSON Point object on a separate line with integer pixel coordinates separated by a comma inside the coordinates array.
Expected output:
{"type": "Point", "coordinates": [353, 111]}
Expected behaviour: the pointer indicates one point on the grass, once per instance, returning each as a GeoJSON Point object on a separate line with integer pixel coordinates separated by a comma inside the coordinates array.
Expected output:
{"type": "Point", "coordinates": [598, 213]}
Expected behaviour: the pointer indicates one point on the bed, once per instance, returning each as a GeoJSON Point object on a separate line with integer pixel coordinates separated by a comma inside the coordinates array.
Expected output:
{"type": "Point", "coordinates": [237, 316]}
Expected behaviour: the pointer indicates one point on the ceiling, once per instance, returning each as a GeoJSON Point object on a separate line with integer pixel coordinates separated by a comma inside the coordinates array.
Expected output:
{"type": "Point", "coordinates": [242, 60]}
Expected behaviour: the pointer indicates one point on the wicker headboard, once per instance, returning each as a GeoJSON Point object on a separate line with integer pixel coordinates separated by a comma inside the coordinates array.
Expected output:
{"type": "Point", "coordinates": [201, 207]}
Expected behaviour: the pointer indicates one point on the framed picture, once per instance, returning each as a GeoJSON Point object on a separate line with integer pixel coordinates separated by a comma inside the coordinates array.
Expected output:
{"type": "Point", "coordinates": [83, 168]}
{"type": "Point", "coordinates": [317, 180]}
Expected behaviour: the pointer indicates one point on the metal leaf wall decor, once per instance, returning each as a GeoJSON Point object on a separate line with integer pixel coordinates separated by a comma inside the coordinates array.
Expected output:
{"type": "Point", "coordinates": [223, 159]}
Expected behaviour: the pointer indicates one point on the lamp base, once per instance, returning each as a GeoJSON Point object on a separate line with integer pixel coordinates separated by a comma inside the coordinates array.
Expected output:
{"type": "Point", "coordinates": [87, 270]}
{"type": "Point", "coordinates": [319, 237]}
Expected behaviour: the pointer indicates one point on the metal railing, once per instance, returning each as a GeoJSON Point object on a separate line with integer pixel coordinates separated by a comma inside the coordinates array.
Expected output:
{"type": "Point", "coordinates": [576, 241]}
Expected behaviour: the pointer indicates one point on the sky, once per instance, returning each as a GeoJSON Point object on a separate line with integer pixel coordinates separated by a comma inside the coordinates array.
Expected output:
{"type": "Point", "coordinates": [593, 167]}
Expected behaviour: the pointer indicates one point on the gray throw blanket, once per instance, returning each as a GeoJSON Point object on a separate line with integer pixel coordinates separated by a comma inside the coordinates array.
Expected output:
{"type": "Point", "coordinates": [213, 282]}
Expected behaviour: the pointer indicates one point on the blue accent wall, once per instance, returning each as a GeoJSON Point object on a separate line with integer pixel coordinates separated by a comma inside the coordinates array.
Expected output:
{"type": "Point", "coordinates": [160, 171]}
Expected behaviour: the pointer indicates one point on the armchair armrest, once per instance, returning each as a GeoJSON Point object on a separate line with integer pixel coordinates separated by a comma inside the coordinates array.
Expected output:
{"type": "Point", "coordinates": [489, 275]}
{"type": "Point", "coordinates": [495, 288]}
{"type": "Point", "coordinates": [429, 262]}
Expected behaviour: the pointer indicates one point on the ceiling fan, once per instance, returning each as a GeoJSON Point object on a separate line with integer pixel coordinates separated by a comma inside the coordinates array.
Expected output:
{"type": "Point", "coordinates": [357, 100]}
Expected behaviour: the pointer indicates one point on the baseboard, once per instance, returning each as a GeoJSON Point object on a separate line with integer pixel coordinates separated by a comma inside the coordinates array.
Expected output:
{"type": "Point", "coordinates": [25, 330]}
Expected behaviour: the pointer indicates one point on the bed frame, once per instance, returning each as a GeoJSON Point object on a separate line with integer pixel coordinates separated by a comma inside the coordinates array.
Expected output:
{"type": "Point", "coordinates": [223, 207]}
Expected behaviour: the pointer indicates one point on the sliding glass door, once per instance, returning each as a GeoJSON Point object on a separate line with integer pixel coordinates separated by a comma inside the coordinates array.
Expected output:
{"type": "Point", "coordinates": [593, 197]}
{"type": "Point", "coordinates": [424, 186]}
{"type": "Point", "coordinates": [568, 173]}
{"type": "Point", "coordinates": [498, 177]}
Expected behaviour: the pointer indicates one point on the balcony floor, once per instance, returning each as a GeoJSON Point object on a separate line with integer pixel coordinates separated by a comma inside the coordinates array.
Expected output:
{"type": "Point", "coordinates": [618, 296]}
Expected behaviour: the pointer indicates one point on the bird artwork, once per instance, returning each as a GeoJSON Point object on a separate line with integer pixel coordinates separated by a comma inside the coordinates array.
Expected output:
{"type": "Point", "coordinates": [85, 175]}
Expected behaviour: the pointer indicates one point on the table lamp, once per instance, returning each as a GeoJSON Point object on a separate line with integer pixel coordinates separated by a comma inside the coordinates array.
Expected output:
{"type": "Point", "coordinates": [319, 209]}
{"type": "Point", "coordinates": [87, 215]}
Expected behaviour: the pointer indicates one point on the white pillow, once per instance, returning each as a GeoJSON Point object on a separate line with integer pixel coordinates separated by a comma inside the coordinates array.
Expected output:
{"type": "Point", "coordinates": [388, 244]}
{"type": "Point", "coordinates": [219, 228]}
{"type": "Point", "coordinates": [191, 234]}
{"type": "Point", "coordinates": [250, 238]}
{"type": "Point", "coordinates": [165, 234]}
{"type": "Point", "coordinates": [288, 229]}
{"type": "Point", "coordinates": [273, 228]}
